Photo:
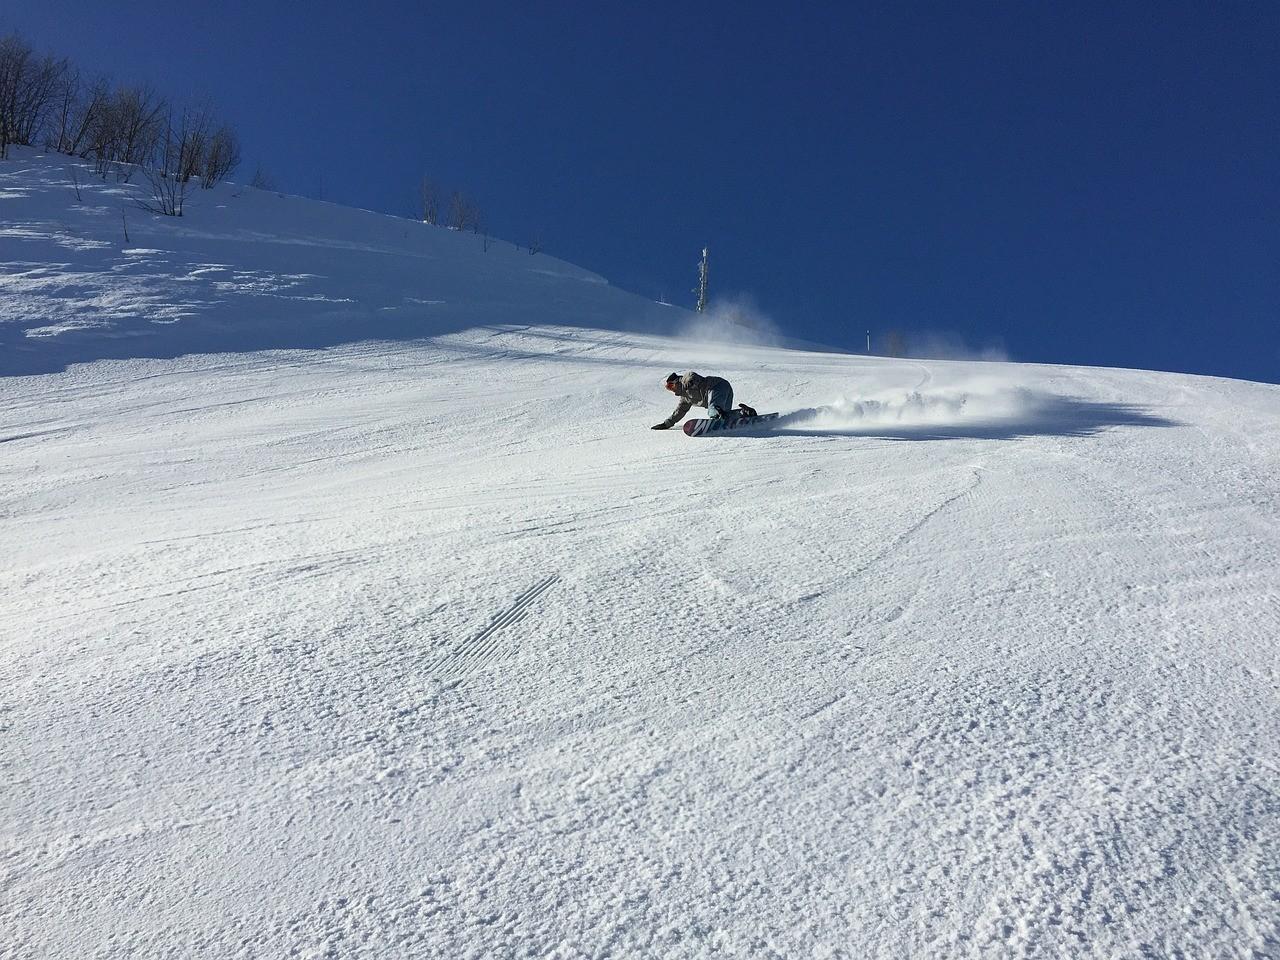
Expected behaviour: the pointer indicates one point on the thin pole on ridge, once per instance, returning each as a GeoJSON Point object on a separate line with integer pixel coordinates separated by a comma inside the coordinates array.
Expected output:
{"type": "Point", "coordinates": [702, 282]}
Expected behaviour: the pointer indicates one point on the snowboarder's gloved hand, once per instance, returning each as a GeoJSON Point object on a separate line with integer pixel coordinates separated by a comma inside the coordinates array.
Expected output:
{"type": "Point", "coordinates": [661, 426]}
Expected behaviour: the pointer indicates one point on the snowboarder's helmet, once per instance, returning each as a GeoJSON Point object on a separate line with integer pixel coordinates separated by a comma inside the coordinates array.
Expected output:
{"type": "Point", "coordinates": [673, 380]}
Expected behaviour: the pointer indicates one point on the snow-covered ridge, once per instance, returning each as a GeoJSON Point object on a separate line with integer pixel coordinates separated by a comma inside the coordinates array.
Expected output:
{"type": "Point", "coordinates": [249, 269]}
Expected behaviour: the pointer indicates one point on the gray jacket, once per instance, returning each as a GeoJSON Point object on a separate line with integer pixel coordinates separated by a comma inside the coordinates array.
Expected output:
{"type": "Point", "coordinates": [695, 390]}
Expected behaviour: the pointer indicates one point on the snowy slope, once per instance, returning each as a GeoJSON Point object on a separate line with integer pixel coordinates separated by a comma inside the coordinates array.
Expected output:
{"type": "Point", "coordinates": [429, 647]}
{"type": "Point", "coordinates": [247, 269]}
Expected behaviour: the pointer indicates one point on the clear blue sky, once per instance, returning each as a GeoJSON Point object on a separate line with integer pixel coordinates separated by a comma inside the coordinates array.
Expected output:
{"type": "Point", "coordinates": [1080, 182]}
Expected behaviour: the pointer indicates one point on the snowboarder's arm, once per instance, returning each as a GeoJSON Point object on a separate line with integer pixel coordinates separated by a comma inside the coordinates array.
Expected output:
{"type": "Point", "coordinates": [681, 409]}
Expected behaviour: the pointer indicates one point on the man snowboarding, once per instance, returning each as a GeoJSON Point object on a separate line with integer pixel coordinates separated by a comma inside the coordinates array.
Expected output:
{"type": "Point", "coordinates": [714, 393]}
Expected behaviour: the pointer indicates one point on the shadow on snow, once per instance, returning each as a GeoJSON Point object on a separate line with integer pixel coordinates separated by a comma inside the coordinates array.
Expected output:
{"type": "Point", "coordinates": [1043, 415]}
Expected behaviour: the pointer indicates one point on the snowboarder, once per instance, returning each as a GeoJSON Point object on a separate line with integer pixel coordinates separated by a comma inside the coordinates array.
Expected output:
{"type": "Point", "coordinates": [714, 393]}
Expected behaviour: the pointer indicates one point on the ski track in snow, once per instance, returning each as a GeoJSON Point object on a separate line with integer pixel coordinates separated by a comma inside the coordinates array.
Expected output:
{"type": "Point", "coordinates": [479, 650]}
{"type": "Point", "coordinates": [432, 648]}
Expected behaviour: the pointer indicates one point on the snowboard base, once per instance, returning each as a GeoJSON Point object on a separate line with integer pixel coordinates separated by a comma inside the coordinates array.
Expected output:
{"type": "Point", "coordinates": [699, 428]}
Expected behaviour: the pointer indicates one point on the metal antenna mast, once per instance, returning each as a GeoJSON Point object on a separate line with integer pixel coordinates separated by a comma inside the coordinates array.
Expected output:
{"type": "Point", "coordinates": [702, 282]}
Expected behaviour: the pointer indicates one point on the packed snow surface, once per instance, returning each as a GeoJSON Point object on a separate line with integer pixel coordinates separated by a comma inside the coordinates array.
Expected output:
{"type": "Point", "coordinates": [427, 646]}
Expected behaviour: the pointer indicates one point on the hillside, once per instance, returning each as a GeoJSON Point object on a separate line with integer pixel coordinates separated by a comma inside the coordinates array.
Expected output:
{"type": "Point", "coordinates": [249, 269]}
{"type": "Point", "coordinates": [414, 640]}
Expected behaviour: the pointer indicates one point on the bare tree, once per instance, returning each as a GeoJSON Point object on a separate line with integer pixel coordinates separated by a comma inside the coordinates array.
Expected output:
{"type": "Point", "coordinates": [895, 344]}
{"type": "Point", "coordinates": [262, 180]}
{"type": "Point", "coordinates": [463, 214]}
{"type": "Point", "coordinates": [139, 114]}
{"type": "Point", "coordinates": [197, 128]}
{"type": "Point", "coordinates": [85, 109]}
{"type": "Point", "coordinates": [126, 130]}
{"type": "Point", "coordinates": [34, 87]}
{"type": "Point", "coordinates": [429, 201]}
{"type": "Point", "coordinates": [535, 245]}
{"type": "Point", "coordinates": [221, 156]}
{"type": "Point", "coordinates": [65, 100]}
{"type": "Point", "coordinates": [15, 59]}
{"type": "Point", "coordinates": [173, 158]}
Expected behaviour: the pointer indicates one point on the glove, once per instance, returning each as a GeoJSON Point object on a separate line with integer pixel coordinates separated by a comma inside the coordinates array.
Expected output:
{"type": "Point", "coordinates": [661, 426]}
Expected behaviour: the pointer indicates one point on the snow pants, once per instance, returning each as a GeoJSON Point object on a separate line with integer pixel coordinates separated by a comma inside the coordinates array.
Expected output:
{"type": "Point", "coordinates": [721, 396]}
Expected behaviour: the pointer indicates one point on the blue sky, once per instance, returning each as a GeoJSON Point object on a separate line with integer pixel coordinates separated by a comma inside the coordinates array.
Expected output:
{"type": "Point", "coordinates": [1078, 183]}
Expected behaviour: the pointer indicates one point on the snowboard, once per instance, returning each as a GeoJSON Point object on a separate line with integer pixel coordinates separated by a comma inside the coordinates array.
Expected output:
{"type": "Point", "coordinates": [700, 428]}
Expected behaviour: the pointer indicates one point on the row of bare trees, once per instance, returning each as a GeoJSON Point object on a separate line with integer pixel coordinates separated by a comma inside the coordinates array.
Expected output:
{"type": "Point", "coordinates": [48, 102]}
{"type": "Point", "coordinates": [461, 213]}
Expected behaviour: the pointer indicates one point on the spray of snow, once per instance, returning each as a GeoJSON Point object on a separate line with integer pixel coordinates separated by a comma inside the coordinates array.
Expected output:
{"type": "Point", "coordinates": [975, 403]}
{"type": "Point", "coordinates": [948, 345]}
{"type": "Point", "coordinates": [735, 321]}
